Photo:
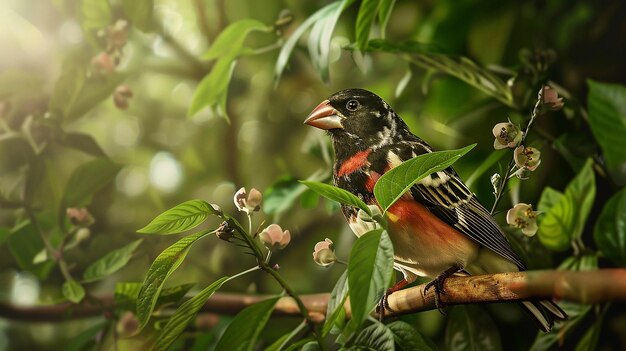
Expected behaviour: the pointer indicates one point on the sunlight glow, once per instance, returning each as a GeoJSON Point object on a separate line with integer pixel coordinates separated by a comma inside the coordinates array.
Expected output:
{"type": "Point", "coordinates": [165, 173]}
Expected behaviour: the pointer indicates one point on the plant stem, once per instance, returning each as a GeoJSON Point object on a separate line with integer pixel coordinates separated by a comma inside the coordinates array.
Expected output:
{"type": "Point", "coordinates": [507, 174]}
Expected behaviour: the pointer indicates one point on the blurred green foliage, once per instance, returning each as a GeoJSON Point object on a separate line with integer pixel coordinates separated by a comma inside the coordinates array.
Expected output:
{"type": "Point", "coordinates": [128, 108]}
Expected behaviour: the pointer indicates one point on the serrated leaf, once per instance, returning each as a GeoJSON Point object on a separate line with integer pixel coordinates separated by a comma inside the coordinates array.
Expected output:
{"type": "Point", "coordinates": [230, 41]}
{"type": "Point", "coordinates": [610, 229]}
{"type": "Point", "coordinates": [242, 333]}
{"type": "Point", "coordinates": [369, 272]}
{"type": "Point", "coordinates": [364, 20]}
{"type": "Point", "coordinates": [375, 337]}
{"type": "Point", "coordinates": [82, 142]}
{"type": "Point", "coordinates": [471, 328]}
{"type": "Point", "coordinates": [212, 91]}
{"type": "Point", "coordinates": [549, 198]}
{"type": "Point", "coordinates": [185, 314]}
{"type": "Point", "coordinates": [607, 118]}
{"type": "Point", "coordinates": [398, 180]}
{"type": "Point", "coordinates": [111, 262]}
{"type": "Point", "coordinates": [73, 291]}
{"type": "Point", "coordinates": [408, 338]}
{"type": "Point", "coordinates": [180, 218]}
{"type": "Point", "coordinates": [565, 221]}
{"type": "Point", "coordinates": [162, 267]}
{"type": "Point", "coordinates": [140, 13]}
{"type": "Point", "coordinates": [335, 307]}
{"type": "Point", "coordinates": [337, 194]}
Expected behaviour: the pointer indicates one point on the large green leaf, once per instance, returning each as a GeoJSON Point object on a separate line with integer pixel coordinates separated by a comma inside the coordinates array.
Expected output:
{"type": "Point", "coordinates": [549, 198]}
{"type": "Point", "coordinates": [162, 267]}
{"type": "Point", "coordinates": [607, 117]}
{"type": "Point", "coordinates": [140, 13]}
{"type": "Point", "coordinates": [610, 230]}
{"type": "Point", "coordinates": [337, 194]}
{"type": "Point", "coordinates": [184, 314]}
{"type": "Point", "coordinates": [245, 328]}
{"type": "Point", "coordinates": [471, 328]}
{"type": "Point", "coordinates": [73, 291]}
{"type": "Point", "coordinates": [180, 218]}
{"type": "Point", "coordinates": [126, 294]}
{"type": "Point", "coordinates": [369, 272]}
{"type": "Point", "coordinates": [384, 14]}
{"type": "Point", "coordinates": [82, 142]}
{"type": "Point", "coordinates": [375, 337]}
{"type": "Point", "coordinates": [213, 89]}
{"type": "Point", "coordinates": [230, 41]}
{"type": "Point", "coordinates": [25, 243]}
{"type": "Point", "coordinates": [408, 338]}
{"type": "Point", "coordinates": [335, 307]}
{"type": "Point", "coordinates": [87, 179]}
{"type": "Point", "coordinates": [394, 183]}
{"type": "Point", "coordinates": [111, 262]}
{"type": "Point", "coordinates": [565, 221]}
{"type": "Point", "coordinates": [364, 20]}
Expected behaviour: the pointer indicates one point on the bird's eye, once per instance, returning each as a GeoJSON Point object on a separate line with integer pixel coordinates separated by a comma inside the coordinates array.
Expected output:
{"type": "Point", "coordinates": [352, 105]}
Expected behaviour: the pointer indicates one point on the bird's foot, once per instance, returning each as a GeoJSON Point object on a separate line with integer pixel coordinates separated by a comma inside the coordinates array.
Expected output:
{"type": "Point", "coordinates": [437, 284]}
{"type": "Point", "coordinates": [383, 304]}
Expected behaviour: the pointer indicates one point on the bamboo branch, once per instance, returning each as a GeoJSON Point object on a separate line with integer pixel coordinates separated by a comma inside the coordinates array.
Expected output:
{"type": "Point", "coordinates": [587, 287]}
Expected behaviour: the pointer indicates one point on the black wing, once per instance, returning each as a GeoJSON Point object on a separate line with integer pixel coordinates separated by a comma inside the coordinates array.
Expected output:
{"type": "Point", "coordinates": [446, 196]}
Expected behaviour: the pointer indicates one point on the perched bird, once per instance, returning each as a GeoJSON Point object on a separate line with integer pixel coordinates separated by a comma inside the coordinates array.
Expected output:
{"type": "Point", "coordinates": [439, 227]}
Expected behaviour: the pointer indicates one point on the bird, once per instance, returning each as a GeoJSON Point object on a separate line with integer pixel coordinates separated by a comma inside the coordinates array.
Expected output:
{"type": "Point", "coordinates": [438, 228]}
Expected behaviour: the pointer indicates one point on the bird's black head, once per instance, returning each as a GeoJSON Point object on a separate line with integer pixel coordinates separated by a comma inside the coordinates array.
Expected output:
{"type": "Point", "coordinates": [358, 117]}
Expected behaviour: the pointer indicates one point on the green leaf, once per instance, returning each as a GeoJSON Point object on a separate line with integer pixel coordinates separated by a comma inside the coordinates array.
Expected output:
{"type": "Point", "coordinates": [461, 68]}
{"type": "Point", "coordinates": [4, 234]}
{"type": "Point", "coordinates": [245, 328]}
{"type": "Point", "coordinates": [126, 294]}
{"type": "Point", "coordinates": [491, 160]}
{"type": "Point", "coordinates": [398, 180]}
{"type": "Point", "coordinates": [607, 118]}
{"type": "Point", "coordinates": [369, 272]}
{"type": "Point", "coordinates": [376, 337]}
{"type": "Point", "coordinates": [73, 291]}
{"type": "Point", "coordinates": [549, 198]}
{"type": "Point", "coordinates": [565, 221]}
{"type": "Point", "coordinates": [281, 195]}
{"type": "Point", "coordinates": [111, 262]}
{"type": "Point", "coordinates": [337, 194]}
{"type": "Point", "coordinates": [471, 328]}
{"type": "Point", "coordinates": [162, 267]}
{"type": "Point", "coordinates": [364, 20]}
{"type": "Point", "coordinates": [230, 41]}
{"type": "Point", "coordinates": [180, 218]}
{"type": "Point", "coordinates": [185, 314]}
{"type": "Point", "coordinates": [140, 13]}
{"type": "Point", "coordinates": [213, 89]}
{"type": "Point", "coordinates": [335, 307]}
{"type": "Point", "coordinates": [384, 14]}
{"type": "Point", "coordinates": [87, 179]}
{"type": "Point", "coordinates": [589, 341]}
{"type": "Point", "coordinates": [25, 243]}
{"type": "Point", "coordinates": [87, 339]}
{"type": "Point", "coordinates": [610, 229]}
{"type": "Point", "coordinates": [408, 338]}
{"type": "Point", "coordinates": [82, 142]}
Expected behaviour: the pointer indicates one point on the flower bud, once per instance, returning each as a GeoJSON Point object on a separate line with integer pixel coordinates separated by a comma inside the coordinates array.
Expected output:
{"type": "Point", "coordinates": [121, 95]}
{"type": "Point", "coordinates": [550, 98]}
{"type": "Point", "coordinates": [324, 253]}
{"type": "Point", "coordinates": [495, 182]}
{"type": "Point", "coordinates": [527, 158]}
{"type": "Point", "coordinates": [79, 216]}
{"type": "Point", "coordinates": [103, 64]}
{"type": "Point", "coordinates": [248, 203]}
{"type": "Point", "coordinates": [522, 216]}
{"type": "Point", "coordinates": [225, 231]}
{"type": "Point", "coordinates": [507, 135]}
{"type": "Point", "coordinates": [274, 237]}
{"type": "Point", "coordinates": [127, 325]}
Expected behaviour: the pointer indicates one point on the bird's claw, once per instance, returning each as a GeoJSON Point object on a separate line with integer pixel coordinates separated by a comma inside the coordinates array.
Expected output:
{"type": "Point", "coordinates": [437, 283]}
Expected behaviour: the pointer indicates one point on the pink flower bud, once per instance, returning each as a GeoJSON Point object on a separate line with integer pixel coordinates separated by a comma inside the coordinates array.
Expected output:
{"type": "Point", "coordinates": [248, 203]}
{"type": "Point", "coordinates": [551, 98]}
{"type": "Point", "coordinates": [522, 216]}
{"type": "Point", "coordinates": [324, 253]}
{"type": "Point", "coordinates": [79, 216]}
{"type": "Point", "coordinates": [103, 64]}
{"type": "Point", "coordinates": [274, 237]}
{"type": "Point", "coordinates": [507, 135]}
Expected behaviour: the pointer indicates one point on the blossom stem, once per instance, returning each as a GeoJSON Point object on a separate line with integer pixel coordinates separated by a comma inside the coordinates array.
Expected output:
{"type": "Point", "coordinates": [507, 175]}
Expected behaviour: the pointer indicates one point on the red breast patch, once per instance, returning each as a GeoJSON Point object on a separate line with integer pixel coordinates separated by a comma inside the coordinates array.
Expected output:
{"type": "Point", "coordinates": [354, 163]}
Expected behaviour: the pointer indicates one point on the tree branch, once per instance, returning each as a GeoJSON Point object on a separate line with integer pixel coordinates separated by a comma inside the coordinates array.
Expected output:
{"type": "Point", "coordinates": [586, 287]}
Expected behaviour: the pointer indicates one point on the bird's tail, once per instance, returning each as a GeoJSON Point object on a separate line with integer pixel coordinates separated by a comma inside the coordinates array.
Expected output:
{"type": "Point", "coordinates": [544, 312]}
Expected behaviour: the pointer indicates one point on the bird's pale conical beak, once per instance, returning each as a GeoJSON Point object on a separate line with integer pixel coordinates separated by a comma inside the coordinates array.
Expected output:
{"type": "Point", "coordinates": [324, 116]}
